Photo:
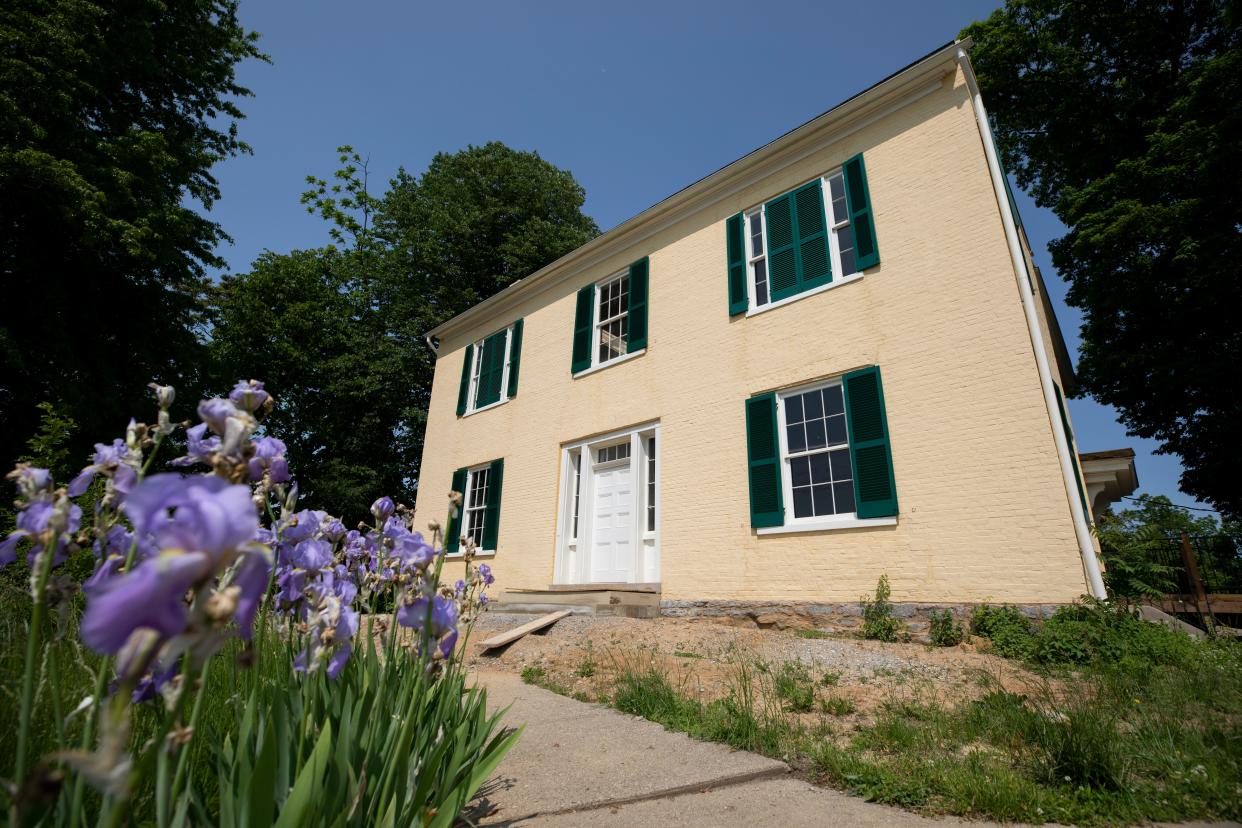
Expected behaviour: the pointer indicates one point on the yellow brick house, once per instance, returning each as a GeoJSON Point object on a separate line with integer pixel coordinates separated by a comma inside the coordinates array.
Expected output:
{"type": "Point", "coordinates": [830, 360]}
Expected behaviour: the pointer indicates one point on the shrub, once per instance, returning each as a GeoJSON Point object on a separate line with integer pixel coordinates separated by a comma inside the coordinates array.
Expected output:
{"type": "Point", "coordinates": [946, 631]}
{"type": "Point", "coordinates": [879, 623]}
{"type": "Point", "coordinates": [534, 675]}
{"type": "Point", "coordinates": [1100, 632]}
{"type": "Point", "coordinates": [795, 687]}
{"type": "Point", "coordinates": [1011, 633]}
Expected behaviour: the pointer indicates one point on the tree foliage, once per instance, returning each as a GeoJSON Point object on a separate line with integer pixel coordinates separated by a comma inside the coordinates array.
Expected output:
{"type": "Point", "coordinates": [111, 117]}
{"type": "Point", "coordinates": [340, 328]}
{"type": "Point", "coordinates": [1122, 117]}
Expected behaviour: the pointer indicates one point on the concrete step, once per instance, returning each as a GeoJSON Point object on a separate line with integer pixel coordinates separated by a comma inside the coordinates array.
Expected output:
{"type": "Point", "coordinates": [586, 600]}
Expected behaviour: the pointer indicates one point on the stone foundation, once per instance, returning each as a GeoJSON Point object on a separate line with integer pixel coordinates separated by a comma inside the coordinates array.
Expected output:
{"type": "Point", "coordinates": [842, 618]}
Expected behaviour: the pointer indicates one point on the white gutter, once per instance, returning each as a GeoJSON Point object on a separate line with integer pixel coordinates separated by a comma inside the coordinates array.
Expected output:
{"type": "Point", "coordinates": [1090, 564]}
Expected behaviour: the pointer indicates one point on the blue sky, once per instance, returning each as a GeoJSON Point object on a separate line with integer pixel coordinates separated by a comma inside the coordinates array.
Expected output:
{"type": "Point", "coordinates": [636, 99]}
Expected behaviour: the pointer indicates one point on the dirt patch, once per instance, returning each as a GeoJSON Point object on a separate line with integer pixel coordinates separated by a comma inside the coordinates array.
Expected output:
{"type": "Point", "coordinates": [582, 655]}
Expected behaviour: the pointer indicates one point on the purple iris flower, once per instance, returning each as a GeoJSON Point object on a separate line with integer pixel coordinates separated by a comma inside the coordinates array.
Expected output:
{"type": "Point", "coordinates": [333, 529]}
{"type": "Point", "coordinates": [31, 522]}
{"type": "Point", "coordinates": [269, 456]}
{"type": "Point", "coordinates": [443, 615]}
{"type": "Point", "coordinates": [446, 645]}
{"type": "Point", "coordinates": [248, 395]}
{"type": "Point", "coordinates": [301, 526]}
{"type": "Point", "coordinates": [485, 572]}
{"type": "Point", "coordinates": [205, 514]}
{"type": "Point", "coordinates": [459, 588]}
{"type": "Point", "coordinates": [199, 447]}
{"type": "Point", "coordinates": [108, 459]}
{"type": "Point", "coordinates": [151, 596]}
{"type": "Point", "coordinates": [382, 509]}
{"type": "Point", "coordinates": [252, 576]}
{"type": "Point", "coordinates": [108, 569]}
{"type": "Point", "coordinates": [148, 686]}
{"type": "Point", "coordinates": [312, 554]}
{"type": "Point", "coordinates": [292, 584]}
{"type": "Point", "coordinates": [346, 629]}
{"type": "Point", "coordinates": [216, 413]}
{"type": "Point", "coordinates": [414, 552]}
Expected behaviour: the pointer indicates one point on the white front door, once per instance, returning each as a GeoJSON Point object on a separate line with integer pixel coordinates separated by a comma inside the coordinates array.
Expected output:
{"type": "Point", "coordinates": [612, 524]}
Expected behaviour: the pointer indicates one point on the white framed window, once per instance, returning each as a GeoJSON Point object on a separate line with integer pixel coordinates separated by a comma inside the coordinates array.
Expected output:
{"type": "Point", "coordinates": [475, 504]}
{"type": "Point", "coordinates": [491, 359]}
{"type": "Point", "coordinates": [816, 473]}
{"type": "Point", "coordinates": [840, 240]}
{"type": "Point", "coordinates": [651, 485]}
{"type": "Point", "coordinates": [611, 319]}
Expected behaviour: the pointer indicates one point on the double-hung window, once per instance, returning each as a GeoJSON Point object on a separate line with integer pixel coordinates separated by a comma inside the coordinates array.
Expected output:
{"type": "Point", "coordinates": [819, 455]}
{"type": "Point", "coordinates": [478, 519]}
{"type": "Point", "coordinates": [801, 240]}
{"type": "Point", "coordinates": [610, 321]}
{"type": "Point", "coordinates": [489, 374]}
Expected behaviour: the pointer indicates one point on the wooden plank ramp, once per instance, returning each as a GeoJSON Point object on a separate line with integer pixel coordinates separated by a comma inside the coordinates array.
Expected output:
{"type": "Point", "coordinates": [514, 634]}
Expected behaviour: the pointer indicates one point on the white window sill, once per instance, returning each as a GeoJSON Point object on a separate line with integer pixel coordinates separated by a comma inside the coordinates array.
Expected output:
{"type": "Point", "coordinates": [780, 303]}
{"type": "Point", "coordinates": [610, 363]}
{"type": "Point", "coordinates": [826, 525]}
{"type": "Point", "coordinates": [487, 407]}
{"type": "Point", "coordinates": [457, 556]}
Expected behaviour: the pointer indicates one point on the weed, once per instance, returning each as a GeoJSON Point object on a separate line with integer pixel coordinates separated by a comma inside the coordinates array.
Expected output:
{"type": "Point", "coordinates": [946, 631]}
{"type": "Point", "coordinates": [830, 678]}
{"type": "Point", "coordinates": [812, 634]}
{"type": "Point", "coordinates": [879, 623]}
{"type": "Point", "coordinates": [534, 675]}
{"type": "Point", "coordinates": [1011, 633]}
{"type": "Point", "coordinates": [795, 687]}
{"type": "Point", "coordinates": [837, 705]}
{"type": "Point", "coordinates": [587, 667]}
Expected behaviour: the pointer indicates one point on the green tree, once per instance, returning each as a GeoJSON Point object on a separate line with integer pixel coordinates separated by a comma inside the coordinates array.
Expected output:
{"type": "Point", "coordinates": [1122, 117]}
{"type": "Point", "coordinates": [111, 117]}
{"type": "Point", "coordinates": [337, 332]}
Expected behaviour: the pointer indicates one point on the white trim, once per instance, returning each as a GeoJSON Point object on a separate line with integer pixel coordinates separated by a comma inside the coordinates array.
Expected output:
{"type": "Point", "coordinates": [478, 553]}
{"type": "Point", "coordinates": [820, 525]}
{"type": "Point", "coordinates": [465, 510]}
{"type": "Point", "coordinates": [610, 363]}
{"type": "Point", "coordinates": [1079, 518]}
{"type": "Point", "coordinates": [877, 102]}
{"type": "Point", "coordinates": [572, 563]}
{"type": "Point", "coordinates": [780, 303]}
{"type": "Point", "coordinates": [487, 407]}
{"type": "Point", "coordinates": [782, 439]}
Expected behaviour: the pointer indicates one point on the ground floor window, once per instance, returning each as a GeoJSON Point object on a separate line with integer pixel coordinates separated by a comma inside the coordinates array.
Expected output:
{"type": "Point", "coordinates": [476, 504]}
{"type": "Point", "coordinates": [816, 452]}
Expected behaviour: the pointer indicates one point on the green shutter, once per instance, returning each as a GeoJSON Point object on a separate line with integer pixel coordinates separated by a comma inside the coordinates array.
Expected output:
{"type": "Point", "coordinates": [814, 268]}
{"type": "Point", "coordinates": [452, 533]}
{"type": "Point", "coordinates": [491, 370]}
{"type": "Point", "coordinates": [735, 245]}
{"type": "Point", "coordinates": [515, 357]}
{"type": "Point", "coordinates": [491, 512]}
{"type": "Point", "coordinates": [463, 392]}
{"type": "Point", "coordinates": [582, 330]}
{"type": "Point", "coordinates": [858, 201]}
{"type": "Point", "coordinates": [767, 506]}
{"type": "Point", "coordinates": [782, 247]}
{"type": "Point", "coordinates": [871, 457]}
{"type": "Point", "coordinates": [638, 305]}
{"type": "Point", "coordinates": [1069, 440]}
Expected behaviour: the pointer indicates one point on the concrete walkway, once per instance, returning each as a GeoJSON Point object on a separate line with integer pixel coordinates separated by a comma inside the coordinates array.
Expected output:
{"type": "Point", "coordinates": [580, 762]}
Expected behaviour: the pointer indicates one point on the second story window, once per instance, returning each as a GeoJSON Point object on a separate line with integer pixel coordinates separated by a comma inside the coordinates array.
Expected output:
{"type": "Point", "coordinates": [490, 370]}
{"type": "Point", "coordinates": [612, 319]}
{"type": "Point", "coordinates": [802, 240]}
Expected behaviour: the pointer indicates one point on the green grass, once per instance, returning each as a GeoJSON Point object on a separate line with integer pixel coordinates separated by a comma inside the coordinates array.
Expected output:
{"type": "Point", "coordinates": [812, 634]}
{"type": "Point", "coordinates": [684, 654]}
{"type": "Point", "coordinates": [1131, 723]}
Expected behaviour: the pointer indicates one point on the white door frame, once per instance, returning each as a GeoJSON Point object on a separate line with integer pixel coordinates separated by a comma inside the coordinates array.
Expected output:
{"type": "Point", "coordinates": [572, 561]}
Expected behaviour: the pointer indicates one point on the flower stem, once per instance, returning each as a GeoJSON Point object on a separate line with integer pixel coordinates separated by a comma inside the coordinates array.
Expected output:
{"type": "Point", "coordinates": [37, 620]}
{"type": "Point", "coordinates": [183, 759]}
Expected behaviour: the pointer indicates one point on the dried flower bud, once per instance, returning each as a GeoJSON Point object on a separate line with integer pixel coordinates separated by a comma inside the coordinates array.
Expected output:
{"type": "Point", "coordinates": [164, 395]}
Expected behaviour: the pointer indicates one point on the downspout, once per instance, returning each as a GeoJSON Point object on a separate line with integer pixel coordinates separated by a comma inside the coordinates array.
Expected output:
{"type": "Point", "coordinates": [432, 346]}
{"type": "Point", "coordinates": [1090, 564]}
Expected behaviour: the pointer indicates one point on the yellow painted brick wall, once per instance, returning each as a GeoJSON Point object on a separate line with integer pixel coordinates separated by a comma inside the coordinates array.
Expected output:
{"type": "Point", "coordinates": [983, 510]}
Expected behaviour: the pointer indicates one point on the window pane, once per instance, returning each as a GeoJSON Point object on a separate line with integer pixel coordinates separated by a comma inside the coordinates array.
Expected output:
{"type": "Point", "coordinates": [761, 293]}
{"type": "Point", "coordinates": [833, 404]}
{"type": "Point", "coordinates": [799, 471]}
{"type": "Point", "coordinates": [845, 241]}
{"type": "Point", "coordinates": [813, 404]}
{"type": "Point", "coordinates": [802, 503]}
{"type": "Point", "coordinates": [815, 437]}
{"type": "Point", "coordinates": [840, 464]}
{"type": "Point", "coordinates": [823, 499]}
{"type": "Point", "coordinates": [793, 410]}
{"type": "Point", "coordinates": [820, 471]}
{"type": "Point", "coordinates": [756, 234]}
{"type": "Point", "coordinates": [797, 438]}
{"type": "Point", "coordinates": [844, 497]}
{"type": "Point", "coordinates": [836, 429]}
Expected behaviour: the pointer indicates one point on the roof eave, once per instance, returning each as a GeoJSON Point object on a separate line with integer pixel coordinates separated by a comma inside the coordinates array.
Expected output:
{"type": "Point", "coordinates": [710, 188]}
